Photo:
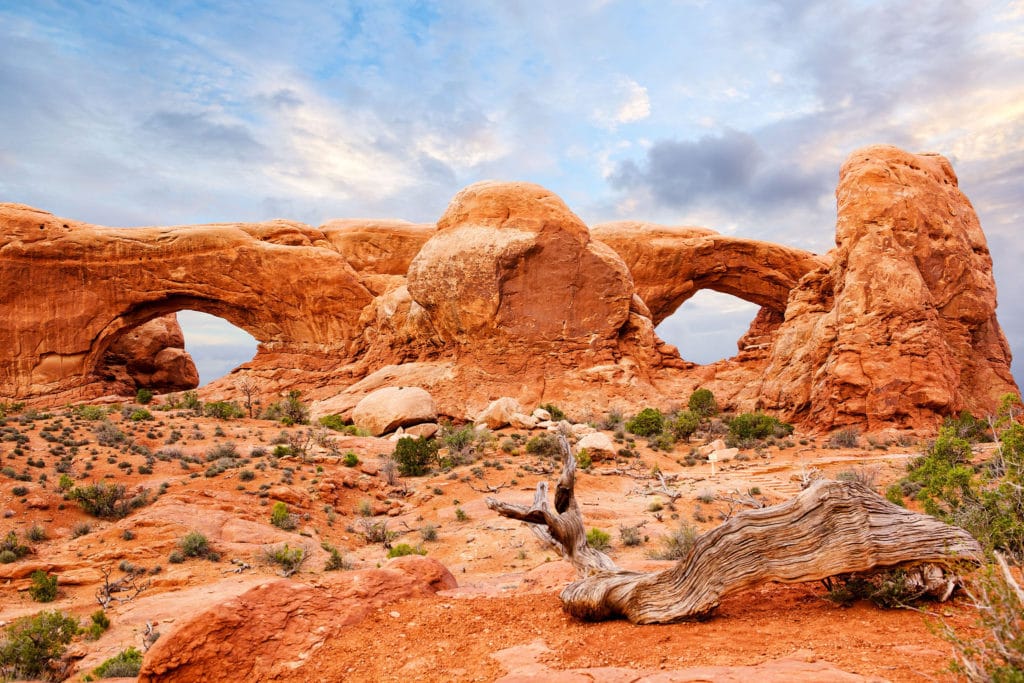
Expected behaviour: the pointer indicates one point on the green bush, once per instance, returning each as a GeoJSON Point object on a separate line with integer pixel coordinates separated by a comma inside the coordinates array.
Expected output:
{"type": "Point", "coordinates": [126, 664]}
{"type": "Point", "coordinates": [290, 411]}
{"type": "Point", "coordinates": [19, 491]}
{"type": "Point", "coordinates": [44, 586]}
{"type": "Point", "coordinates": [335, 560]}
{"type": "Point", "coordinates": [140, 414]}
{"type": "Point", "coordinates": [414, 456]}
{"type": "Point", "coordinates": [894, 494]}
{"type": "Point", "coordinates": [36, 533]}
{"type": "Point", "coordinates": [647, 422]}
{"type": "Point", "coordinates": [554, 411]}
{"type": "Point", "coordinates": [599, 540]}
{"type": "Point", "coordinates": [758, 426]}
{"type": "Point", "coordinates": [91, 413]}
{"type": "Point", "coordinates": [33, 643]}
{"type": "Point", "coordinates": [403, 549]}
{"type": "Point", "coordinates": [289, 559]}
{"type": "Point", "coordinates": [99, 623]}
{"type": "Point", "coordinates": [107, 500]}
{"type": "Point", "coordinates": [350, 459]}
{"type": "Point", "coordinates": [281, 518]}
{"type": "Point", "coordinates": [966, 426]}
{"type": "Point", "coordinates": [194, 544]}
{"type": "Point", "coordinates": [333, 422]}
{"type": "Point", "coordinates": [677, 545]}
{"type": "Point", "coordinates": [848, 437]}
{"type": "Point", "coordinates": [583, 460]}
{"type": "Point", "coordinates": [223, 410]}
{"type": "Point", "coordinates": [683, 424]}
{"type": "Point", "coordinates": [143, 396]}
{"type": "Point", "coordinates": [703, 403]}
{"type": "Point", "coordinates": [544, 443]}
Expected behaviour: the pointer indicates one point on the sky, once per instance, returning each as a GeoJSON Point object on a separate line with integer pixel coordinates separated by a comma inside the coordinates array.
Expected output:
{"type": "Point", "coordinates": [731, 115]}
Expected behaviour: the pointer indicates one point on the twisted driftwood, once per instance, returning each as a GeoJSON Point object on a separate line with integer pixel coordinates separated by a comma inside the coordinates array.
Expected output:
{"type": "Point", "coordinates": [830, 529]}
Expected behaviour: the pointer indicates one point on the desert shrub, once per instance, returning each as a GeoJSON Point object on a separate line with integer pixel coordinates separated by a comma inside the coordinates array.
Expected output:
{"type": "Point", "coordinates": [428, 532]}
{"type": "Point", "coordinates": [598, 539]}
{"type": "Point", "coordinates": [554, 411]}
{"type": "Point", "coordinates": [403, 549]}
{"type": "Point", "coordinates": [107, 434]}
{"type": "Point", "coordinates": [223, 410]}
{"type": "Point", "coordinates": [702, 403]}
{"type": "Point", "coordinates": [460, 515]}
{"type": "Point", "coordinates": [583, 459]}
{"type": "Point", "coordinates": [139, 415]}
{"type": "Point", "coordinates": [176, 557]}
{"type": "Point", "coordinates": [107, 500]}
{"type": "Point", "coordinates": [647, 422]}
{"type": "Point", "coordinates": [683, 424]}
{"type": "Point", "coordinates": [414, 456]}
{"type": "Point", "coordinates": [80, 529]}
{"type": "Point", "coordinates": [289, 411]}
{"type": "Point", "coordinates": [844, 438]}
{"type": "Point", "coordinates": [44, 586]}
{"type": "Point", "coordinates": [886, 589]}
{"type": "Point", "coordinates": [19, 491]}
{"type": "Point", "coordinates": [143, 396]}
{"type": "Point", "coordinates": [194, 544]}
{"type": "Point", "coordinates": [630, 536]}
{"type": "Point", "coordinates": [221, 450]}
{"type": "Point", "coordinates": [90, 413]}
{"type": "Point", "coordinates": [350, 459]}
{"type": "Point", "coordinates": [246, 475]}
{"type": "Point", "coordinates": [32, 645]}
{"type": "Point", "coordinates": [281, 518]}
{"type": "Point", "coordinates": [865, 476]}
{"type": "Point", "coordinates": [677, 544]}
{"type": "Point", "coordinates": [966, 426]}
{"type": "Point", "coordinates": [190, 401]}
{"type": "Point", "coordinates": [125, 664]}
{"type": "Point", "coordinates": [758, 426]}
{"type": "Point", "coordinates": [333, 422]}
{"type": "Point", "coordinates": [36, 533]}
{"type": "Point", "coordinates": [289, 559]}
{"type": "Point", "coordinates": [335, 560]}
{"type": "Point", "coordinates": [894, 494]}
{"type": "Point", "coordinates": [99, 622]}
{"type": "Point", "coordinates": [544, 443]}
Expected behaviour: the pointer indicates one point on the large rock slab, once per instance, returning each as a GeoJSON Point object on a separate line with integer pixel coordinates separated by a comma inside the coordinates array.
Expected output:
{"type": "Point", "coordinates": [387, 409]}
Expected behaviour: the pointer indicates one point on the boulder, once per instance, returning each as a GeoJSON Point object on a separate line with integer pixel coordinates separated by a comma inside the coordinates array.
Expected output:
{"type": "Point", "coordinates": [424, 430]}
{"type": "Point", "coordinates": [520, 421]}
{"type": "Point", "coordinates": [598, 444]}
{"type": "Point", "coordinates": [499, 413]}
{"type": "Point", "coordinates": [152, 356]}
{"type": "Point", "coordinates": [387, 409]}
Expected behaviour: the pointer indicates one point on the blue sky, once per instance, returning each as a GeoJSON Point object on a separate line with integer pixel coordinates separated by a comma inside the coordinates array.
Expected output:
{"type": "Point", "coordinates": [731, 115]}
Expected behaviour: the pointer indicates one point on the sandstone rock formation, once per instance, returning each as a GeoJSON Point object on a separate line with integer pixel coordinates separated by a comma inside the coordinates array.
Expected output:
{"type": "Point", "coordinates": [151, 356]}
{"type": "Point", "coordinates": [387, 409]}
{"type": "Point", "coordinates": [513, 296]}
{"type": "Point", "coordinates": [268, 632]}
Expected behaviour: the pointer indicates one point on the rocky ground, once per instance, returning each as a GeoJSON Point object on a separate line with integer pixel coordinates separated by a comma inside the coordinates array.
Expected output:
{"type": "Point", "coordinates": [503, 621]}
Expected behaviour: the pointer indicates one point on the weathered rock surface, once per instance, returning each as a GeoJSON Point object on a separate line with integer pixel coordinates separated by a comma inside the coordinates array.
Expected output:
{"type": "Point", "coordinates": [388, 409]}
{"type": "Point", "coordinates": [152, 356]}
{"type": "Point", "coordinates": [268, 632]}
{"type": "Point", "coordinates": [500, 413]}
{"type": "Point", "coordinates": [512, 295]}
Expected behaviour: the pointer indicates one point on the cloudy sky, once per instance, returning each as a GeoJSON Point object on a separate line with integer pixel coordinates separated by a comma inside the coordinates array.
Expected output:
{"type": "Point", "coordinates": [733, 115]}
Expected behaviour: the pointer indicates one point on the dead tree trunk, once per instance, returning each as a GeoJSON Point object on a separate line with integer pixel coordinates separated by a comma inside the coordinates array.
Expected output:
{"type": "Point", "coordinates": [831, 528]}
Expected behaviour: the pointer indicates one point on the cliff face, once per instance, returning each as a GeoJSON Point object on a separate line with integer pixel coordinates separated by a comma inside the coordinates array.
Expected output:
{"type": "Point", "coordinates": [512, 294]}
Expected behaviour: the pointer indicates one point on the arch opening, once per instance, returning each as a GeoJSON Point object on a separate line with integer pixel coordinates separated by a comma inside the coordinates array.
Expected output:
{"type": "Point", "coordinates": [216, 346]}
{"type": "Point", "coordinates": [708, 326]}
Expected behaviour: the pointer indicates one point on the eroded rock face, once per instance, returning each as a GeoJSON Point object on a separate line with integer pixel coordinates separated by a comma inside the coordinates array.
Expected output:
{"type": "Point", "coordinates": [511, 295]}
{"type": "Point", "coordinates": [268, 632]}
{"type": "Point", "coordinates": [152, 356]}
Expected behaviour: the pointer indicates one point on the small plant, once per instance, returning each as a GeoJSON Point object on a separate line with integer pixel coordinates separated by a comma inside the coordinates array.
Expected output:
{"type": "Point", "coordinates": [281, 518]}
{"type": "Point", "coordinates": [223, 410]}
{"type": "Point", "coordinates": [414, 456]}
{"type": "Point", "coordinates": [461, 515]}
{"type": "Point", "coordinates": [647, 422]}
{"type": "Point", "coordinates": [333, 422]}
{"type": "Point", "coordinates": [176, 557]}
{"type": "Point", "coordinates": [99, 622]}
{"type": "Point", "coordinates": [556, 413]}
{"type": "Point", "coordinates": [289, 559]}
{"type": "Point", "coordinates": [758, 426]}
{"type": "Point", "coordinates": [677, 545]}
{"type": "Point", "coordinates": [583, 460]}
{"type": "Point", "coordinates": [80, 529]}
{"type": "Point", "coordinates": [125, 664]}
{"type": "Point", "coordinates": [194, 544]}
{"type": "Point", "coordinates": [350, 459]}
{"type": "Point", "coordinates": [403, 549]}
{"type": "Point", "coordinates": [246, 475]}
{"type": "Point", "coordinates": [335, 560]}
{"type": "Point", "coordinates": [703, 403]}
{"type": "Point", "coordinates": [543, 444]}
{"type": "Point", "coordinates": [630, 536]}
{"type": "Point", "coordinates": [90, 413]}
{"type": "Point", "coordinates": [36, 533]}
{"type": "Point", "coordinates": [32, 644]}
{"type": "Point", "coordinates": [683, 424]}
{"type": "Point", "coordinates": [894, 494]}
{"type": "Point", "coordinates": [844, 438]}
{"type": "Point", "coordinates": [429, 532]}
{"type": "Point", "coordinates": [107, 500]}
{"type": "Point", "coordinates": [865, 476]}
{"type": "Point", "coordinates": [598, 539]}
{"type": "Point", "coordinates": [140, 414]}
{"type": "Point", "coordinates": [44, 586]}
{"type": "Point", "coordinates": [19, 491]}
{"type": "Point", "coordinates": [376, 532]}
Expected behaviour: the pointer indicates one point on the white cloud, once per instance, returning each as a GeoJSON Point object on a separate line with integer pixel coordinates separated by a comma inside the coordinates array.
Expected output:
{"type": "Point", "coordinates": [627, 102]}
